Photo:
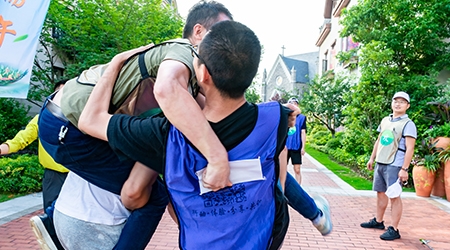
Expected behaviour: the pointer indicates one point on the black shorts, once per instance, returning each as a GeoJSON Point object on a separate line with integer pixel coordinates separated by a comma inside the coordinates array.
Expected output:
{"type": "Point", "coordinates": [295, 156]}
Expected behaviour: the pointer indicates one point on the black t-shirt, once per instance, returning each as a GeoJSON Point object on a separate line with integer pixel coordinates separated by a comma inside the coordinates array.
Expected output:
{"type": "Point", "coordinates": [143, 139]}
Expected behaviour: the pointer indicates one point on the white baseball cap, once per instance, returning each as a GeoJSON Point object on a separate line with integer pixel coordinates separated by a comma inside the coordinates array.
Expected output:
{"type": "Point", "coordinates": [293, 99]}
{"type": "Point", "coordinates": [401, 94]}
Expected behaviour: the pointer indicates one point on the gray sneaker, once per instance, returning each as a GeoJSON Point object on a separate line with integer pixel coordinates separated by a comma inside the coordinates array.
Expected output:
{"type": "Point", "coordinates": [390, 234]}
{"type": "Point", "coordinates": [43, 237]}
{"type": "Point", "coordinates": [323, 223]}
{"type": "Point", "coordinates": [373, 224]}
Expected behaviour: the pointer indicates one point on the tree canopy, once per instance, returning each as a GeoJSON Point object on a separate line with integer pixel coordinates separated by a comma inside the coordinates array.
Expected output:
{"type": "Point", "coordinates": [404, 46]}
{"type": "Point", "coordinates": [88, 32]}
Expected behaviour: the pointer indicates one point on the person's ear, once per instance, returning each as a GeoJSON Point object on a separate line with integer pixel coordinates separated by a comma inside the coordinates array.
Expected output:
{"type": "Point", "coordinates": [203, 75]}
{"type": "Point", "coordinates": [198, 33]}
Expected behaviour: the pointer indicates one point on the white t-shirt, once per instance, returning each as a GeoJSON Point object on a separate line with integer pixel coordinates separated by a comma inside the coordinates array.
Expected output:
{"type": "Point", "coordinates": [84, 201]}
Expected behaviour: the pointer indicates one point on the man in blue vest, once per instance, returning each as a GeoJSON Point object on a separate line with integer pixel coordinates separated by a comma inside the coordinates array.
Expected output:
{"type": "Point", "coordinates": [296, 141]}
{"type": "Point", "coordinates": [251, 214]}
{"type": "Point", "coordinates": [392, 153]}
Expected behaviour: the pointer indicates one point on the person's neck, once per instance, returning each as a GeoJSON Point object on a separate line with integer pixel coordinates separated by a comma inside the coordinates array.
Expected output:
{"type": "Point", "coordinates": [396, 115]}
{"type": "Point", "coordinates": [218, 107]}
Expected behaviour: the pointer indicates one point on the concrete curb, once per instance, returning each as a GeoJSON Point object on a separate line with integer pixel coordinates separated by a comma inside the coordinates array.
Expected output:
{"type": "Point", "coordinates": [18, 207]}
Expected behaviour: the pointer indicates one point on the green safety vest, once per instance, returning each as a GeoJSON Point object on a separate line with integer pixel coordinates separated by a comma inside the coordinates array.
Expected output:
{"type": "Point", "coordinates": [391, 133]}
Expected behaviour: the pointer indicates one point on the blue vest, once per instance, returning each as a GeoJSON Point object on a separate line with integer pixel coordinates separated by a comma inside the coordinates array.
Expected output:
{"type": "Point", "coordinates": [294, 141]}
{"type": "Point", "coordinates": [239, 217]}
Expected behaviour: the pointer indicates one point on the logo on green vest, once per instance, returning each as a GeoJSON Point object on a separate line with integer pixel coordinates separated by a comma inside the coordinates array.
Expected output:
{"type": "Point", "coordinates": [387, 137]}
{"type": "Point", "coordinates": [292, 130]}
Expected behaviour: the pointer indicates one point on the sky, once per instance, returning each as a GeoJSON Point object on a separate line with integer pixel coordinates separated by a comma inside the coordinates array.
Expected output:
{"type": "Point", "coordinates": [293, 24]}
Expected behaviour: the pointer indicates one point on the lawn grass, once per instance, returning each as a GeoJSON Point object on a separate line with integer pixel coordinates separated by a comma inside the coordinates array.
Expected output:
{"type": "Point", "coordinates": [345, 173]}
{"type": "Point", "coordinates": [5, 197]}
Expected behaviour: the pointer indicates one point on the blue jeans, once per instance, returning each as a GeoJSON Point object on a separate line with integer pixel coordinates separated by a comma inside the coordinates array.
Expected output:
{"type": "Point", "coordinates": [95, 161]}
{"type": "Point", "coordinates": [299, 200]}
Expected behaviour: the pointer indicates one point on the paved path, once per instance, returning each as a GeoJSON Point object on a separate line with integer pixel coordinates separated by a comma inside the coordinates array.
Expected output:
{"type": "Point", "coordinates": [427, 218]}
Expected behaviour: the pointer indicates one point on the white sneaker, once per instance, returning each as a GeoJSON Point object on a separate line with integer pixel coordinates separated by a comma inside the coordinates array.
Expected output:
{"type": "Point", "coordinates": [323, 223]}
{"type": "Point", "coordinates": [43, 237]}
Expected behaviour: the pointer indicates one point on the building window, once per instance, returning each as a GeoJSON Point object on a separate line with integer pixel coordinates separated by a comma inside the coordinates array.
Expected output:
{"type": "Point", "coordinates": [333, 55]}
{"type": "Point", "coordinates": [325, 62]}
{"type": "Point", "coordinates": [59, 72]}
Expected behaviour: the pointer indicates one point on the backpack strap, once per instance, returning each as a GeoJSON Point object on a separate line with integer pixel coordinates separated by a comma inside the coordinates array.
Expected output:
{"type": "Point", "coordinates": [141, 59]}
{"type": "Point", "coordinates": [142, 68]}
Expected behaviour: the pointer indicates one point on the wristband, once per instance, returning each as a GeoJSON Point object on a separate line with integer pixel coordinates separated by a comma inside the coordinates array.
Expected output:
{"type": "Point", "coordinates": [405, 169]}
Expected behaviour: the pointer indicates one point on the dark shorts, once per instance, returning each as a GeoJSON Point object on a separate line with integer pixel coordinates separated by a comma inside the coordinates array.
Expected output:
{"type": "Point", "coordinates": [295, 156]}
{"type": "Point", "coordinates": [384, 176]}
{"type": "Point", "coordinates": [51, 185]}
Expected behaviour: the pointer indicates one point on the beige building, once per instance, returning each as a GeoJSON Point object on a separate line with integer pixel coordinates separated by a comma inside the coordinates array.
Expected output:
{"type": "Point", "coordinates": [329, 42]}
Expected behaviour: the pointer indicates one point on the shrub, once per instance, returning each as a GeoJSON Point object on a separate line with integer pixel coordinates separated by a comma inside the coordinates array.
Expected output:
{"type": "Point", "coordinates": [13, 117]}
{"type": "Point", "coordinates": [334, 143]}
{"type": "Point", "coordinates": [439, 130]}
{"type": "Point", "coordinates": [320, 138]}
{"type": "Point", "coordinates": [21, 175]}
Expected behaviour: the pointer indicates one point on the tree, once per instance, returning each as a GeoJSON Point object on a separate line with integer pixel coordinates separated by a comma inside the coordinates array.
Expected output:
{"type": "Point", "coordinates": [414, 31]}
{"type": "Point", "coordinates": [324, 100]}
{"type": "Point", "coordinates": [403, 47]}
{"type": "Point", "coordinates": [87, 32]}
{"type": "Point", "coordinates": [251, 95]}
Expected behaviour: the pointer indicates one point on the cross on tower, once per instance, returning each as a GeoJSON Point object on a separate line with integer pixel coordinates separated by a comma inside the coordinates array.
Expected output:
{"type": "Point", "coordinates": [282, 50]}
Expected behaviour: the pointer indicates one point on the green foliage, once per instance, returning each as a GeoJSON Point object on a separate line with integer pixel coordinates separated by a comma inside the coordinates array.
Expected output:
{"type": "Point", "coordinates": [251, 95]}
{"type": "Point", "coordinates": [426, 154]}
{"type": "Point", "coordinates": [403, 46]}
{"type": "Point", "coordinates": [20, 175]}
{"type": "Point", "coordinates": [348, 174]}
{"type": "Point", "coordinates": [320, 138]}
{"type": "Point", "coordinates": [444, 155]}
{"type": "Point", "coordinates": [13, 117]}
{"type": "Point", "coordinates": [324, 101]}
{"type": "Point", "coordinates": [333, 143]}
{"type": "Point", "coordinates": [439, 131]}
{"type": "Point", "coordinates": [87, 32]}
{"type": "Point", "coordinates": [414, 30]}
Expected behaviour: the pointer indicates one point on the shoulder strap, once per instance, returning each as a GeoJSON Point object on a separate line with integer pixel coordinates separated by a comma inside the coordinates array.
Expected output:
{"type": "Point", "coordinates": [141, 60]}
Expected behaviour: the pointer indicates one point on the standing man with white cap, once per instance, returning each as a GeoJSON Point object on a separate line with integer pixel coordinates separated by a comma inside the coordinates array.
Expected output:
{"type": "Point", "coordinates": [392, 153]}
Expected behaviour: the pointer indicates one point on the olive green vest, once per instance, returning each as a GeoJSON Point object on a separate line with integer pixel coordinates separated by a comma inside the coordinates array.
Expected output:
{"type": "Point", "coordinates": [391, 134]}
{"type": "Point", "coordinates": [133, 89]}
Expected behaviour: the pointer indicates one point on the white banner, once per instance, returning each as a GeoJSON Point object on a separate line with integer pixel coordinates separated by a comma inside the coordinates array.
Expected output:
{"type": "Point", "coordinates": [20, 26]}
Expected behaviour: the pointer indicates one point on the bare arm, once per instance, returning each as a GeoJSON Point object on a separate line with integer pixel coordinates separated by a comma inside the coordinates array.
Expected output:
{"type": "Point", "coordinates": [183, 112]}
{"type": "Point", "coordinates": [409, 143]}
{"type": "Point", "coordinates": [283, 167]}
{"type": "Point", "coordinates": [374, 154]}
{"type": "Point", "coordinates": [303, 138]}
{"type": "Point", "coordinates": [137, 188]}
{"type": "Point", "coordinates": [293, 115]}
{"type": "Point", "coordinates": [4, 149]}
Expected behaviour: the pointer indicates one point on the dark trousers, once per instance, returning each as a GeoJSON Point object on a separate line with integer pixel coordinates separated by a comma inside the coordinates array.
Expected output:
{"type": "Point", "coordinates": [51, 185]}
{"type": "Point", "coordinates": [95, 161]}
{"type": "Point", "coordinates": [299, 200]}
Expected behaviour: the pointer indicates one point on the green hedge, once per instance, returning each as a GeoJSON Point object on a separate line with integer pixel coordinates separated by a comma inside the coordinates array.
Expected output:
{"type": "Point", "coordinates": [20, 175]}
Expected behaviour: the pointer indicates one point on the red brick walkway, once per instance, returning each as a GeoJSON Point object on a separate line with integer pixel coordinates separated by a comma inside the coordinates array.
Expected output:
{"type": "Point", "coordinates": [425, 218]}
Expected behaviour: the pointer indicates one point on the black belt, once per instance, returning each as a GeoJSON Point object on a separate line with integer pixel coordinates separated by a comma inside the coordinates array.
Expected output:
{"type": "Point", "coordinates": [55, 110]}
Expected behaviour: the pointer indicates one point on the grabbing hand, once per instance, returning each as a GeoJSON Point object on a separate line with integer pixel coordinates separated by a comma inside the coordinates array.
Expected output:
{"type": "Point", "coordinates": [217, 176]}
{"type": "Point", "coordinates": [293, 115]}
{"type": "Point", "coordinates": [122, 57]}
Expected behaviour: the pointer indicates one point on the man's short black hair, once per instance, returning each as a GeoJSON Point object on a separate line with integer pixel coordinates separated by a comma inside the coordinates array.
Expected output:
{"type": "Point", "coordinates": [232, 53]}
{"type": "Point", "coordinates": [59, 83]}
{"type": "Point", "coordinates": [205, 13]}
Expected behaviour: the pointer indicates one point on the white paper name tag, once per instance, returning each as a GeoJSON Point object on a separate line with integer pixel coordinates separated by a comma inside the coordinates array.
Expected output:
{"type": "Point", "coordinates": [240, 171]}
